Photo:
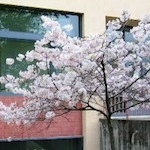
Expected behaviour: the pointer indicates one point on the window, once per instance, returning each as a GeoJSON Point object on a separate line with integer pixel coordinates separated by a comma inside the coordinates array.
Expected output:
{"type": "Point", "coordinates": [117, 104]}
{"type": "Point", "coordinates": [53, 144]}
{"type": "Point", "coordinates": [17, 21]}
{"type": "Point", "coordinates": [21, 27]}
{"type": "Point", "coordinates": [127, 35]}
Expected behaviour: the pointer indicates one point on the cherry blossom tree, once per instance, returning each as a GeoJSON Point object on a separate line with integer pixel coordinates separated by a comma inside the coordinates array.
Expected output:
{"type": "Point", "coordinates": [68, 73]}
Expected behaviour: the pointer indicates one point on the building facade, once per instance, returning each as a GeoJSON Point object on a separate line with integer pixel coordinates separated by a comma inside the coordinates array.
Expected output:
{"type": "Point", "coordinates": [88, 17]}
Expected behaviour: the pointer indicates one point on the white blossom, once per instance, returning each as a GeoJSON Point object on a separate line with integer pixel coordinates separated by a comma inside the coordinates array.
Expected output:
{"type": "Point", "coordinates": [9, 61]}
{"type": "Point", "coordinates": [3, 80]}
{"type": "Point", "coordinates": [20, 57]}
{"type": "Point", "coordinates": [42, 65]}
{"type": "Point", "coordinates": [49, 115]}
{"type": "Point", "coordinates": [125, 16]}
{"type": "Point", "coordinates": [29, 56]}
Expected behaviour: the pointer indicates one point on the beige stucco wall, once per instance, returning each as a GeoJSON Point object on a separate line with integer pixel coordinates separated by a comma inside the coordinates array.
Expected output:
{"type": "Point", "coordinates": [137, 8]}
{"type": "Point", "coordinates": [94, 12]}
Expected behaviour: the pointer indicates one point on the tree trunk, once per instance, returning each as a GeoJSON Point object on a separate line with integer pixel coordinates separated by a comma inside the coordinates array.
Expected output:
{"type": "Point", "coordinates": [111, 134]}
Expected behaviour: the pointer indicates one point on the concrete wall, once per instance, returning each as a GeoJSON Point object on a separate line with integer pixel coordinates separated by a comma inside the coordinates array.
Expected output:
{"type": "Point", "coordinates": [94, 13]}
{"type": "Point", "coordinates": [129, 135]}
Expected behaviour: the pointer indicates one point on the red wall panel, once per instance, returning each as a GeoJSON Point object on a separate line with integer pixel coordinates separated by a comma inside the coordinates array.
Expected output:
{"type": "Point", "coordinates": [67, 125]}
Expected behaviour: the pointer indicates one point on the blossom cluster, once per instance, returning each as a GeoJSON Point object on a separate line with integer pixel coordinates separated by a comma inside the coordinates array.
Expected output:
{"type": "Point", "coordinates": [64, 71]}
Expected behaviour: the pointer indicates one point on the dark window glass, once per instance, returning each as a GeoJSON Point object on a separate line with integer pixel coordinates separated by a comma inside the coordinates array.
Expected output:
{"type": "Point", "coordinates": [21, 27]}
{"type": "Point", "coordinates": [57, 144]}
{"type": "Point", "coordinates": [23, 20]}
{"type": "Point", "coordinates": [128, 37]}
{"type": "Point", "coordinates": [11, 49]}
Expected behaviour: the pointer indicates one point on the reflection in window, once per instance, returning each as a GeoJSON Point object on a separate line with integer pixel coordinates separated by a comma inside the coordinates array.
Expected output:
{"type": "Point", "coordinates": [23, 20]}
{"type": "Point", "coordinates": [20, 28]}
{"type": "Point", "coordinates": [128, 37]}
{"type": "Point", "coordinates": [55, 144]}
{"type": "Point", "coordinates": [11, 49]}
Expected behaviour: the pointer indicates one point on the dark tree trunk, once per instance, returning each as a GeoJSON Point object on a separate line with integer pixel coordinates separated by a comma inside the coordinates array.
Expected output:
{"type": "Point", "coordinates": [111, 134]}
